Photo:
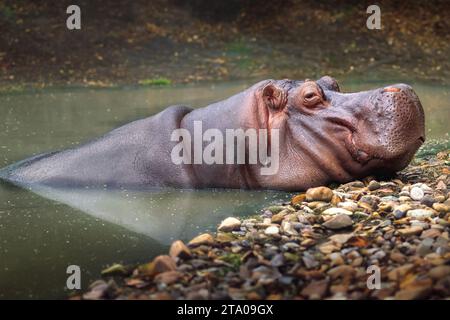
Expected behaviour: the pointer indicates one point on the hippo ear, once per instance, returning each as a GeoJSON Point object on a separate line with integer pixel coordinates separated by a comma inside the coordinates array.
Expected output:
{"type": "Point", "coordinates": [274, 97]}
{"type": "Point", "coordinates": [328, 83]}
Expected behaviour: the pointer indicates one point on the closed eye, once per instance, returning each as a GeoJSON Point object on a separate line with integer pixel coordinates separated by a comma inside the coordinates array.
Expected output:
{"type": "Point", "coordinates": [310, 95]}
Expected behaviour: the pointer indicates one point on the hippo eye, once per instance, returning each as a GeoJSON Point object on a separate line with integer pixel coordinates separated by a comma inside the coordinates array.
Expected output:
{"type": "Point", "coordinates": [311, 95]}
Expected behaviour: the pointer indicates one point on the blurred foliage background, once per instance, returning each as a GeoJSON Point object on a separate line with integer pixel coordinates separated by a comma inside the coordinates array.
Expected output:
{"type": "Point", "coordinates": [126, 42]}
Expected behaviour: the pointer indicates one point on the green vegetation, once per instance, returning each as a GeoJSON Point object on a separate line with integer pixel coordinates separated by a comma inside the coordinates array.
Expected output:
{"type": "Point", "coordinates": [238, 47]}
{"type": "Point", "coordinates": [432, 147]}
{"type": "Point", "coordinates": [233, 259]}
{"type": "Point", "coordinates": [12, 89]}
{"type": "Point", "coordinates": [242, 53]}
{"type": "Point", "coordinates": [155, 82]}
{"type": "Point", "coordinates": [7, 13]}
{"type": "Point", "coordinates": [275, 209]}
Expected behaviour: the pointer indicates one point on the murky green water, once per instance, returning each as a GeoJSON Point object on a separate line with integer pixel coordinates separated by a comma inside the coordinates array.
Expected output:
{"type": "Point", "coordinates": [44, 231]}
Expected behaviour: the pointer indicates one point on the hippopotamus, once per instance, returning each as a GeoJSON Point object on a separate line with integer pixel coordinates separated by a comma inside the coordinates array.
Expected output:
{"type": "Point", "coordinates": [324, 136]}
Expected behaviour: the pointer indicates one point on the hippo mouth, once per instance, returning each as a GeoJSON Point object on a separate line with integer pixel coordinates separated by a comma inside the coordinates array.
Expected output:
{"type": "Point", "coordinates": [352, 147]}
{"type": "Point", "coordinates": [357, 154]}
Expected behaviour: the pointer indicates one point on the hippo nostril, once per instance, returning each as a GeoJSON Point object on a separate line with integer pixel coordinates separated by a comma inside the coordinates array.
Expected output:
{"type": "Point", "coordinates": [422, 139]}
{"type": "Point", "coordinates": [391, 89]}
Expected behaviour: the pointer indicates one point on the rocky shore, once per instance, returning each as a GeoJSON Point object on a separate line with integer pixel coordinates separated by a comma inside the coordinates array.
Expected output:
{"type": "Point", "coordinates": [365, 239]}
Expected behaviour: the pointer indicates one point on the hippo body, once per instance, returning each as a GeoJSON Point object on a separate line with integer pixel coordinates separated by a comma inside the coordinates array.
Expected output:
{"type": "Point", "coordinates": [125, 157]}
{"type": "Point", "coordinates": [324, 136]}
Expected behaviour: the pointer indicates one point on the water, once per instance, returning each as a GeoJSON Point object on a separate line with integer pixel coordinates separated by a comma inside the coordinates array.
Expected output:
{"type": "Point", "coordinates": [44, 231]}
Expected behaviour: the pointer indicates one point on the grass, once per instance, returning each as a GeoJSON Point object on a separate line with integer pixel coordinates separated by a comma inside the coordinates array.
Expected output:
{"type": "Point", "coordinates": [232, 258]}
{"type": "Point", "coordinates": [7, 13]}
{"type": "Point", "coordinates": [155, 82]}
{"type": "Point", "coordinates": [238, 47]}
{"type": "Point", "coordinates": [432, 147]}
{"type": "Point", "coordinates": [12, 89]}
{"type": "Point", "coordinates": [242, 52]}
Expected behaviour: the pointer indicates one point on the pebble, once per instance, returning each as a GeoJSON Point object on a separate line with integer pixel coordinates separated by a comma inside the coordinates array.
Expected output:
{"type": "Point", "coordinates": [426, 188]}
{"type": "Point", "coordinates": [399, 272]}
{"type": "Point", "coordinates": [336, 258]}
{"type": "Point", "coordinates": [416, 193]}
{"type": "Point", "coordinates": [230, 224]}
{"type": "Point", "coordinates": [369, 202]}
{"type": "Point", "coordinates": [315, 290]}
{"type": "Point", "coordinates": [379, 255]}
{"type": "Point", "coordinates": [297, 250]}
{"type": "Point", "coordinates": [204, 238]}
{"type": "Point", "coordinates": [441, 185]}
{"type": "Point", "coordinates": [98, 290]}
{"type": "Point", "coordinates": [163, 263]}
{"type": "Point", "coordinates": [278, 218]}
{"type": "Point", "coordinates": [275, 209]}
{"type": "Point", "coordinates": [418, 223]}
{"type": "Point", "coordinates": [355, 184]}
{"type": "Point", "coordinates": [416, 292]}
{"type": "Point", "coordinates": [341, 238]}
{"type": "Point", "coordinates": [309, 261]}
{"type": "Point", "coordinates": [267, 214]}
{"type": "Point", "coordinates": [319, 194]}
{"type": "Point", "coordinates": [420, 213]}
{"type": "Point", "coordinates": [224, 237]}
{"type": "Point", "coordinates": [430, 233]}
{"type": "Point", "coordinates": [317, 204]}
{"type": "Point", "coordinates": [441, 207]}
{"type": "Point", "coordinates": [346, 272]}
{"type": "Point", "coordinates": [277, 260]}
{"type": "Point", "coordinates": [179, 250]}
{"type": "Point", "coordinates": [439, 272]}
{"type": "Point", "coordinates": [400, 211]}
{"type": "Point", "coordinates": [338, 222]}
{"type": "Point", "coordinates": [347, 205]}
{"type": "Point", "coordinates": [425, 247]}
{"type": "Point", "coordinates": [288, 228]}
{"type": "Point", "coordinates": [385, 207]}
{"type": "Point", "coordinates": [168, 277]}
{"type": "Point", "coordinates": [308, 242]}
{"type": "Point", "coordinates": [201, 294]}
{"type": "Point", "coordinates": [272, 230]}
{"type": "Point", "coordinates": [360, 215]}
{"type": "Point", "coordinates": [328, 247]}
{"type": "Point", "coordinates": [397, 257]}
{"type": "Point", "coordinates": [373, 185]}
{"type": "Point", "coordinates": [410, 231]}
{"type": "Point", "coordinates": [290, 246]}
{"type": "Point", "coordinates": [298, 198]}
{"type": "Point", "coordinates": [336, 211]}
{"type": "Point", "coordinates": [428, 200]}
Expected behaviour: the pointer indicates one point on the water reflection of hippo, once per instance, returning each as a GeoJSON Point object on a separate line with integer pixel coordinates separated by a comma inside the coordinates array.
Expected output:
{"type": "Point", "coordinates": [325, 136]}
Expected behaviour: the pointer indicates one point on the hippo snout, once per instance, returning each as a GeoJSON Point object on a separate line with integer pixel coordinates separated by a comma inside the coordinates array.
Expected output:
{"type": "Point", "coordinates": [399, 123]}
{"type": "Point", "coordinates": [405, 105]}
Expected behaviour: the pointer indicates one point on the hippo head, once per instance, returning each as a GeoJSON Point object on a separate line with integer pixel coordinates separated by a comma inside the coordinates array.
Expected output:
{"type": "Point", "coordinates": [327, 135]}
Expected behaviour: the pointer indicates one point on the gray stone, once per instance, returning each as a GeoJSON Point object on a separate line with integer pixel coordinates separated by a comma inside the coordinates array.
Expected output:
{"type": "Point", "coordinates": [272, 230]}
{"type": "Point", "coordinates": [338, 222]}
{"type": "Point", "coordinates": [336, 211]}
{"type": "Point", "coordinates": [230, 224]}
{"type": "Point", "coordinates": [420, 213]}
{"type": "Point", "coordinates": [416, 193]}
